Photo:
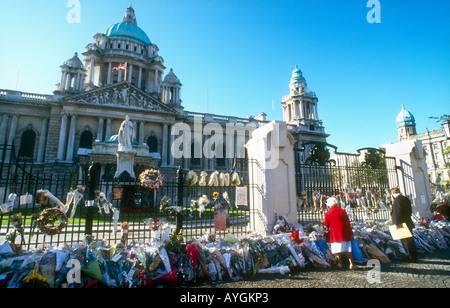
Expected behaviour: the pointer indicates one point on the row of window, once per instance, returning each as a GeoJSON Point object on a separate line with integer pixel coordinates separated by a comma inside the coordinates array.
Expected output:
{"type": "Point", "coordinates": [128, 47]}
{"type": "Point", "coordinates": [28, 140]}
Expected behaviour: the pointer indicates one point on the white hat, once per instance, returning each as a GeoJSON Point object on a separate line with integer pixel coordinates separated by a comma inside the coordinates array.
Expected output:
{"type": "Point", "coordinates": [332, 201]}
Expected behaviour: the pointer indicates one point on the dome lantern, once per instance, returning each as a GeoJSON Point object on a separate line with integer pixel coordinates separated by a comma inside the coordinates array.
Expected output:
{"type": "Point", "coordinates": [297, 76]}
{"type": "Point", "coordinates": [128, 29]}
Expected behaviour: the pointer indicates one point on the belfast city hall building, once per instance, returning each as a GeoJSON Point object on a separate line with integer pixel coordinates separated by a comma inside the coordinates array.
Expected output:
{"type": "Point", "coordinates": [122, 73]}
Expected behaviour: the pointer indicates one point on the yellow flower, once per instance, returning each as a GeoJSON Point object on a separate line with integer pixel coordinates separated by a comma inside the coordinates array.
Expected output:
{"type": "Point", "coordinates": [215, 194]}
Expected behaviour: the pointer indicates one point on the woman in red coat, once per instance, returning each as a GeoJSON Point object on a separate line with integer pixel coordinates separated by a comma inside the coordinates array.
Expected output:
{"type": "Point", "coordinates": [341, 233]}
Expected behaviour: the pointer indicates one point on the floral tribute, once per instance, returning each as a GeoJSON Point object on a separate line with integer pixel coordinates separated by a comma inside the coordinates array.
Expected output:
{"type": "Point", "coordinates": [51, 221]}
{"type": "Point", "coordinates": [152, 179]}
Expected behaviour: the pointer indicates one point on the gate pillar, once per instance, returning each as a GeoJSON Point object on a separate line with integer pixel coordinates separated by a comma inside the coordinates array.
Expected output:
{"type": "Point", "coordinates": [271, 176]}
{"type": "Point", "coordinates": [412, 174]}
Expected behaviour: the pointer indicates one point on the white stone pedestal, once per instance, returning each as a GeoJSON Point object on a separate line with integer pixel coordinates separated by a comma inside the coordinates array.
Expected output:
{"type": "Point", "coordinates": [125, 162]}
{"type": "Point", "coordinates": [271, 176]}
{"type": "Point", "coordinates": [412, 174]}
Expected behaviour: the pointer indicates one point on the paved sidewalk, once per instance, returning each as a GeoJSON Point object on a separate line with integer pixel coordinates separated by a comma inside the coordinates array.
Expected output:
{"type": "Point", "coordinates": [432, 271]}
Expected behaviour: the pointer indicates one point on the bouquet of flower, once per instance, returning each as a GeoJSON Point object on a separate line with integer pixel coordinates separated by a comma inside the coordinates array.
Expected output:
{"type": "Point", "coordinates": [152, 223]}
{"type": "Point", "coordinates": [152, 179]}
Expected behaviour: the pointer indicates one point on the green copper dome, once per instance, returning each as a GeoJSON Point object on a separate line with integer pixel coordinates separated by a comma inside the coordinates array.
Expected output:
{"type": "Point", "coordinates": [128, 31]}
{"type": "Point", "coordinates": [405, 118]}
{"type": "Point", "coordinates": [297, 75]}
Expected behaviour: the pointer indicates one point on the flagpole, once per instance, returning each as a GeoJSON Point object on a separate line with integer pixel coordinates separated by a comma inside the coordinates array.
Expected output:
{"type": "Point", "coordinates": [273, 111]}
{"type": "Point", "coordinates": [18, 74]}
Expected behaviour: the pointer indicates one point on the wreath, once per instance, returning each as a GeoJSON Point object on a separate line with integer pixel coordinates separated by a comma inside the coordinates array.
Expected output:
{"type": "Point", "coordinates": [51, 221]}
{"type": "Point", "coordinates": [152, 179]}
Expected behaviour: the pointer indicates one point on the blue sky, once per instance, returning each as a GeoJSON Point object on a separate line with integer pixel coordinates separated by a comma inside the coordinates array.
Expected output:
{"type": "Point", "coordinates": [234, 57]}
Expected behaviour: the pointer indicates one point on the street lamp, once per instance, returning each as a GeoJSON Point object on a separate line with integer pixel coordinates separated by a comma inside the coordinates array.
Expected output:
{"type": "Point", "coordinates": [446, 126]}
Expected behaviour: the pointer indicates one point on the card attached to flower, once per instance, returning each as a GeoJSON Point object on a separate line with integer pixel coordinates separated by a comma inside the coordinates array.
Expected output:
{"type": "Point", "coordinates": [241, 196]}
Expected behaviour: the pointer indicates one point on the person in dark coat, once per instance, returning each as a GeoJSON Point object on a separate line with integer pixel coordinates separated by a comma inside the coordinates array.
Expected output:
{"type": "Point", "coordinates": [401, 213]}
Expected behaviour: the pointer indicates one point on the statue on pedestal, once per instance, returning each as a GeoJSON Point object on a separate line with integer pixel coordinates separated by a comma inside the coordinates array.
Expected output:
{"type": "Point", "coordinates": [125, 153]}
{"type": "Point", "coordinates": [126, 135]}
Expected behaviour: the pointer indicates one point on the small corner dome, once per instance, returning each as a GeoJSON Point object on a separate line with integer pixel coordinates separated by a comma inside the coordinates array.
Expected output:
{"type": "Point", "coordinates": [171, 77]}
{"type": "Point", "coordinates": [74, 62]}
{"type": "Point", "coordinates": [297, 75]}
{"type": "Point", "coordinates": [405, 118]}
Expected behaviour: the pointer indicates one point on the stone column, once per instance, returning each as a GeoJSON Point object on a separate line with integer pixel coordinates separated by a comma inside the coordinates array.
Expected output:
{"type": "Point", "coordinates": [91, 73]}
{"type": "Point", "coordinates": [317, 114]}
{"type": "Point", "coordinates": [141, 132]}
{"type": "Point", "coordinates": [165, 137]}
{"type": "Point", "coordinates": [108, 128]}
{"type": "Point", "coordinates": [13, 129]}
{"type": "Point", "coordinates": [3, 129]}
{"type": "Point", "coordinates": [62, 136]}
{"type": "Point", "coordinates": [77, 82]}
{"type": "Point", "coordinates": [171, 157]}
{"type": "Point", "coordinates": [136, 131]}
{"type": "Point", "coordinates": [100, 129]}
{"type": "Point", "coordinates": [100, 75]}
{"type": "Point", "coordinates": [67, 82]}
{"type": "Point", "coordinates": [71, 140]}
{"type": "Point", "coordinates": [42, 140]}
{"type": "Point", "coordinates": [130, 73]}
{"type": "Point", "coordinates": [272, 176]}
{"type": "Point", "coordinates": [12, 135]}
{"type": "Point", "coordinates": [81, 81]}
{"type": "Point", "coordinates": [139, 85]}
{"type": "Point", "coordinates": [109, 72]}
{"type": "Point", "coordinates": [63, 81]}
{"type": "Point", "coordinates": [155, 84]}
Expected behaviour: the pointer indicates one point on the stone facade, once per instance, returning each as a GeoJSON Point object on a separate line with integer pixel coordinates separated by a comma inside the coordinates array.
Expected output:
{"type": "Point", "coordinates": [123, 74]}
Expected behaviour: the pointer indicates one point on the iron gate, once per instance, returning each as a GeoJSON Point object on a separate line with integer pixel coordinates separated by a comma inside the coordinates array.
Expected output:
{"type": "Point", "coordinates": [360, 180]}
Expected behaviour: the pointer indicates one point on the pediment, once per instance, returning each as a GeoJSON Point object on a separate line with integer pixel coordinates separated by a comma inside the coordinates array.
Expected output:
{"type": "Point", "coordinates": [123, 95]}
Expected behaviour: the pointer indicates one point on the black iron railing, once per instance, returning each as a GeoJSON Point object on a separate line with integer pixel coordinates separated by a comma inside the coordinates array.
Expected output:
{"type": "Point", "coordinates": [135, 205]}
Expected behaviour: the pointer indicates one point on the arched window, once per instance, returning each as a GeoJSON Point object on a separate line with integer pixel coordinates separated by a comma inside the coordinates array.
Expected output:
{"type": "Point", "coordinates": [152, 143]}
{"type": "Point", "coordinates": [27, 143]}
{"type": "Point", "coordinates": [86, 140]}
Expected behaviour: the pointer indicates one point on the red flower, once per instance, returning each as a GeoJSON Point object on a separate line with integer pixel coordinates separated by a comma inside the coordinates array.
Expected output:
{"type": "Point", "coordinates": [295, 236]}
